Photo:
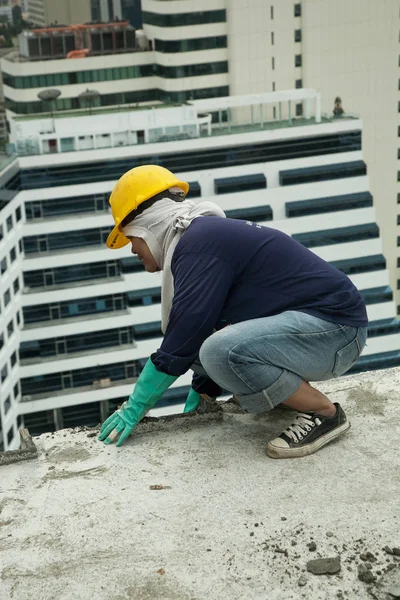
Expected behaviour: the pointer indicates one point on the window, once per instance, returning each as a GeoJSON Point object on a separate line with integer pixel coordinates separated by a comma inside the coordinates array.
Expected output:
{"type": "Point", "coordinates": [273, 87]}
{"type": "Point", "coordinates": [184, 19]}
{"type": "Point", "coordinates": [297, 60]}
{"type": "Point", "coordinates": [9, 223]}
{"type": "Point", "coordinates": [18, 214]}
{"type": "Point", "coordinates": [13, 254]}
{"type": "Point", "coordinates": [10, 328]}
{"type": "Point", "coordinates": [20, 246]}
{"type": "Point", "coordinates": [1, 340]}
{"type": "Point", "coordinates": [362, 264]}
{"type": "Point", "coordinates": [297, 35]}
{"type": "Point", "coordinates": [16, 286]}
{"type": "Point", "coordinates": [18, 318]}
{"type": "Point", "coordinates": [13, 358]}
{"type": "Point", "coordinates": [7, 404]}
{"type": "Point", "coordinates": [272, 38]}
{"type": "Point", "coordinates": [3, 374]}
{"type": "Point", "coordinates": [3, 266]}
{"type": "Point", "coordinates": [10, 435]}
{"type": "Point", "coordinates": [228, 185]}
{"type": "Point", "coordinates": [299, 109]}
{"type": "Point", "coordinates": [1, 232]}
{"type": "Point", "coordinates": [16, 390]}
{"type": "Point", "coordinates": [193, 160]}
{"type": "Point", "coordinates": [297, 10]}
{"type": "Point", "coordinates": [7, 298]}
{"type": "Point", "coordinates": [377, 295]}
{"type": "Point", "coordinates": [255, 213]}
{"type": "Point", "coordinates": [323, 173]}
{"type": "Point", "coordinates": [302, 208]}
{"type": "Point", "coordinates": [273, 62]}
{"type": "Point", "coordinates": [299, 83]}
{"type": "Point", "coordinates": [190, 45]}
{"type": "Point", "coordinates": [272, 12]}
{"type": "Point", "coordinates": [338, 235]}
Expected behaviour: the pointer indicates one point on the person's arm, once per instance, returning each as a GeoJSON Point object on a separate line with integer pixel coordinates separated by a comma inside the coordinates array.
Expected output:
{"type": "Point", "coordinates": [201, 287]}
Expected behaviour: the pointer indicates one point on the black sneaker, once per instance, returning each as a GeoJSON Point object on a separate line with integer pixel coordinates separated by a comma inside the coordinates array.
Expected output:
{"type": "Point", "coordinates": [307, 434]}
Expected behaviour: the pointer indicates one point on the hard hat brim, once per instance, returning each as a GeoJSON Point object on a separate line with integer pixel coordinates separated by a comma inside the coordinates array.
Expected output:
{"type": "Point", "coordinates": [116, 239]}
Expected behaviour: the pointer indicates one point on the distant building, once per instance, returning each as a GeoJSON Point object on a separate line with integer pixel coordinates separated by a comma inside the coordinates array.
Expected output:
{"type": "Point", "coordinates": [44, 12]}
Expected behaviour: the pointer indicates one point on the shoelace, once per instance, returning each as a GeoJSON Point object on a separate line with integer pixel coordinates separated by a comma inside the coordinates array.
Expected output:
{"type": "Point", "coordinates": [304, 423]}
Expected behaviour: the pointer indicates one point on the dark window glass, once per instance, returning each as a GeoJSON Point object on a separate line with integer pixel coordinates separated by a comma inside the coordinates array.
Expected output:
{"type": "Point", "coordinates": [383, 327]}
{"type": "Point", "coordinates": [299, 83]}
{"type": "Point", "coordinates": [3, 265]}
{"type": "Point", "coordinates": [3, 374]}
{"type": "Point", "coordinates": [1, 232]}
{"type": "Point", "coordinates": [69, 239]}
{"type": "Point", "coordinates": [16, 285]}
{"type": "Point", "coordinates": [372, 362]}
{"type": "Point", "coordinates": [299, 109]}
{"type": "Point", "coordinates": [1, 340]}
{"type": "Point", "coordinates": [144, 297]}
{"type": "Point", "coordinates": [297, 35]}
{"type": "Point", "coordinates": [16, 390]}
{"type": "Point", "coordinates": [297, 10]}
{"type": "Point", "coordinates": [13, 358]}
{"type": "Point", "coordinates": [7, 298]}
{"type": "Point", "coordinates": [10, 328]}
{"type": "Point", "coordinates": [13, 254]}
{"type": "Point", "coordinates": [62, 275]}
{"type": "Point", "coordinates": [74, 308]}
{"type": "Point", "coordinates": [191, 45]}
{"type": "Point", "coordinates": [147, 331]}
{"type": "Point", "coordinates": [7, 404]}
{"type": "Point", "coordinates": [255, 213]}
{"type": "Point", "coordinates": [362, 264]}
{"type": "Point", "coordinates": [9, 223]}
{"type": "Point", "coordinates": [10, 435]}
{"type": "Point", "coordinates": [303, 208]}
{"type": "Point", "coordinates": [323, 173]}
{"type": "Point", "coordinates": [18, 214]}
{"type": "Point", "coordinates": [241, 183]}
{"type": "Point", "coordinates": [338, 235]}
{"type": "Point", "coordinates": [42, 209]}
{"type": "Point", "coordinates": [183, 19]}
{"type": "Point", "coordinates": [297, 60]}
{"type": "Point", "coordinates": [192, 70]}
{"type": "Point", "coordinates": [190, 160]}
{"type": "Point", "coordinates": [100, 375]}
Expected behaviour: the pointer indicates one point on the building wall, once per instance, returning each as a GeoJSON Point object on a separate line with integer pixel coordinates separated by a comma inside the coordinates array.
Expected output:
{"type": "Point", "coordinates": [347, 49]}
{"type": "Point", "coordinates": [68, 12]}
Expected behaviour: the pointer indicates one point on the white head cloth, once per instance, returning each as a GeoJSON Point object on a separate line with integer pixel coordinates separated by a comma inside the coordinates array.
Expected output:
{"type": "Point", "coordinates": [161, 227]}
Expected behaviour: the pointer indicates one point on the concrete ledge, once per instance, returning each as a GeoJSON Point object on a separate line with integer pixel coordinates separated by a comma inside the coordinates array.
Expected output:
{"type": "Point", "coordinates": [27, 451]}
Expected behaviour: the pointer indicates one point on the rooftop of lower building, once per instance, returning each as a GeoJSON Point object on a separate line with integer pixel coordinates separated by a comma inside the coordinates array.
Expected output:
{"type": "Point", "coordinates": [192, 508]}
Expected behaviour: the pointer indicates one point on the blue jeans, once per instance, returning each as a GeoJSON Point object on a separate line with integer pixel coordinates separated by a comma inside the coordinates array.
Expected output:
{"type": "Point", "coordinates": [263, 361]}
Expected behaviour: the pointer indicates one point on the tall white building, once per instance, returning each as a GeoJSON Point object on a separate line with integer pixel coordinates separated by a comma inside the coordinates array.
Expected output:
{"type": "Point", "coordinates": [85, 319]}
{"type": "Point", "coordinates": [341, 48]}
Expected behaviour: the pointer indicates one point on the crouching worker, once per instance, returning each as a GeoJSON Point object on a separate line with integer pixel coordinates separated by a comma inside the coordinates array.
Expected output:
{"type": "Point", "coordinates": [246, 307]}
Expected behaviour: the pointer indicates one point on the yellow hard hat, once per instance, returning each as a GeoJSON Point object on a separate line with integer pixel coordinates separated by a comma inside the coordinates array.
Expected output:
{"type": "Point", "coordinates": [132, 189]}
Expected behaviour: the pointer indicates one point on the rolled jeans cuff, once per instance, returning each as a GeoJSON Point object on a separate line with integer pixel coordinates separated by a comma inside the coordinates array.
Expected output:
{"type": "Point", "coordinates": [279, 391]}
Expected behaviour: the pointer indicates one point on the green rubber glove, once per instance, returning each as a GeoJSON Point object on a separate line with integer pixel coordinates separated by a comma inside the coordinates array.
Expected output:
{"type": "Point", "coordinates": [192, 401]}
{"type": "Point", "coordinates": [148, 390]}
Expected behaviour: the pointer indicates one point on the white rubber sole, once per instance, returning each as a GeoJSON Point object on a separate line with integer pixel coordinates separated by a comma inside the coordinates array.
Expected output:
{"type": "Point", "coordinates": [277, 452]}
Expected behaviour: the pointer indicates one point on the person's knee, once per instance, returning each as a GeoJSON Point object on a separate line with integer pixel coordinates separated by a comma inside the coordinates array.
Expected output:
{"type": "Point", "coordinates": [214, 354]}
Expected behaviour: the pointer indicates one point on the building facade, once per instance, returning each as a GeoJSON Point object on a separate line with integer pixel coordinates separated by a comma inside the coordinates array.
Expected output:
{"type": "Point", "coordinates": [67, 12]}
{"type": "Point", "coordinates": [79, 321]}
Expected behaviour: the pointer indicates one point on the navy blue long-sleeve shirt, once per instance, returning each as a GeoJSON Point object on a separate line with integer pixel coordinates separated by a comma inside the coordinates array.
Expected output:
{"type": "Point", "coordinates": [227, 271]}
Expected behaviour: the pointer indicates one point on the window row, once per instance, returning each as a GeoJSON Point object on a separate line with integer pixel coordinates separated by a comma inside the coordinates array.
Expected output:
{"type": "Point", "coordinates": [114, 74]}
{"type": "Point", "coordinates": [98, 376]}
{"type": "Point", "coordinates": [191, 45]}
{"type": "Point", "coordinates": [361, 264]}
{"type": "Point", "coordinates": [302, 208]}
{"type": "Point", "coordinates": [10, 221]}
{"type": "Point", "coordinates": [189, 160]}
{"type": "Point", "coordinates": [70, 239]}
{"type": "Point", "coordinates": [373, 362]}
{"type": "Point", "coordinates": [121, 98]}
{"type": "Point", "coordinates": [355, 168]}
{"type": "Point", "coordinates": [377, 295]}
{"type": "Point", "coordinates": [4, 372]}
{"type": "Point", "coordinates": [55, 207]}
{"type": "Point", "coordinates": [74, 308]}
{"type": "Point", "coordinates": [383, 327]}
{"type": "Point", "coordinates": [64, 275]}
{"type": "Point", "coordinates": [83, 342]}
{"type": "Point", "coordinates": [339, 235]}
{"type": "Point", "coordinates": [241, 183]}
{"type": "Point", "coordinates": [183, 19]}
{"type": "Point", "coordinates": [8, 294]}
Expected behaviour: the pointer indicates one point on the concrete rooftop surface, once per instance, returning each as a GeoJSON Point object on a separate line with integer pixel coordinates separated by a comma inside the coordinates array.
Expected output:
{"type": "Point", "coordinates": [82, 522]}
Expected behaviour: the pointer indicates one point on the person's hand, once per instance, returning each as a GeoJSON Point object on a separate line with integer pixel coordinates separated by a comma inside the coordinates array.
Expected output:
{"type": "Point", "coordinates": [118, 426]}
{"type": "Point", "coordinates": [148, 390]}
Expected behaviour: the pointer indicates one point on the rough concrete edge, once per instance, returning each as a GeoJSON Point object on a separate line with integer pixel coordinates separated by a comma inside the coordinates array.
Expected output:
{"type": "Point", "coordinates": [27, 451]}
